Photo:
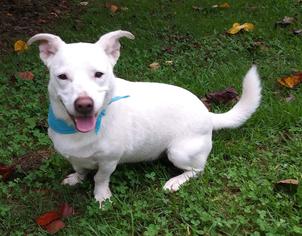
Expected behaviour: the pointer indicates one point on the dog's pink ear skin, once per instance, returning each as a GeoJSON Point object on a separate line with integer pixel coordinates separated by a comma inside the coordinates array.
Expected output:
{"type": "Point", "coordinates": [111, 45]}
{"type": "Point", "coordinates": [49, 45]}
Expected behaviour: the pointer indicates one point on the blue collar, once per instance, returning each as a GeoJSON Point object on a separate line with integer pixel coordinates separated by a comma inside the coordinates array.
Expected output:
{"type": "Point", "coordinates": [61, 127]}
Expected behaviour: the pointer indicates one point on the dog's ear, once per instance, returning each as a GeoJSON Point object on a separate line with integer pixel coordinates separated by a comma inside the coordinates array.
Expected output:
{"type": "Point", "coordinates": [111, 45]}
{"type": "Point", "coordinates": [49, 45]}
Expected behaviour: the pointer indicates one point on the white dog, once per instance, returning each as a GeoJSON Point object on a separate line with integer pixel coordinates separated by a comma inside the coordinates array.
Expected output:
{"type": "Point", "coordinates": [98, 121]}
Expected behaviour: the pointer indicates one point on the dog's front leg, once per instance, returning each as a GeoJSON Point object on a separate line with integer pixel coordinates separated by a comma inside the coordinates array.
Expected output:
{"type": "Point", "coordinates": [101, 179]}
{"type": "Point", "coordinates": [76, 177]}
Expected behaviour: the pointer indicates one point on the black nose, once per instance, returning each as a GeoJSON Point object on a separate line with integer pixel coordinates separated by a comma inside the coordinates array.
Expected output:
{"type": "Point", "coordinates": [84, 105]}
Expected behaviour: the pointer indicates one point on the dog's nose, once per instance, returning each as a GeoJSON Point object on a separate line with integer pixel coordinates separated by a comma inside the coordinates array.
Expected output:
{"type": "Point", "coordinates": [84, 105]}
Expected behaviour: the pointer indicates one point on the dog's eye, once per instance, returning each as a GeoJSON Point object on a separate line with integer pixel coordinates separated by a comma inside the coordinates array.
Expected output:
{"type": "Point", "coordinates": [98, 74]}
{"type": "Point", "coordinates": [62, 77]}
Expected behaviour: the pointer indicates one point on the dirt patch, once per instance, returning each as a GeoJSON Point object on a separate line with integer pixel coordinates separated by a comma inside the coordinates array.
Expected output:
{"type": "Point", "coordinates": [23, 18]}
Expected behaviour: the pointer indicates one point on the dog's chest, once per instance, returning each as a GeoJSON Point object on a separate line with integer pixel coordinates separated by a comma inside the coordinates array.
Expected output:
{"type": "Point", "coordinates": [75, 146]}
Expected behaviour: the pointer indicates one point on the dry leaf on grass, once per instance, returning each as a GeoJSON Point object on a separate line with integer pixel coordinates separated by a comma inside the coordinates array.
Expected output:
{"type": "Point", "coordinates": [83, 3]}
{"type": "Point", "coordinates": [223, 97]}
{"type": "Point", "coordinates": [25, 75]}
{"type": "Point", "coordinates": [287, 185]}
{"type": "Point", "coordinates": [112, 7]}
{"type": "Point", "coordinates": [223, 5]}
{"type": "Point", "coordinates": [154, 65]}
{"type": "Point", "coordinates": [220, 97]}
{"type": "Point", "coordinates": [169, 62]}
{"type": "Point", "coordinates": [237, 28]}
{"type": "Point", "coordinates": [291, 81]}
{"type": "Point", "coordinates": [20, 46]}
{"type": "Point", "coordinates": [286, 21]}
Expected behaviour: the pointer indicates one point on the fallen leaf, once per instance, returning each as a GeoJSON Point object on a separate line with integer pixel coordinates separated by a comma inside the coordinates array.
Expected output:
{"type": "Point", "coordinates": [291, 81]}
{"type": "Point", "coordinates": [154, 65]}
{"type": "Point", "coordinates": [197, 8]}
{"type": "Point", "coordinates": [54, 226]}
{"type": "Point", "coordinates": [169, 62]}
{"type": "Point", "coordinates": [223, 5]}
{"type": "Point", "coordinates": [237, 27]}
{"type": "Point", "coordinates": [286, 21]}
{"type": "Point", "coordinates": [290, 98]}
{"type": "Point", "coordinates": [6, 171]}
{"type": "Point", "coordinates": [20, 46]}
{"type": "Point", "coordinates": [83, 3]}
{"type": "Point", "coordinates": [66, 210]}
{"type": "Point", "coordinates": [297, 32]}
{"type": "Point", "coordinates": [112, 7]}
{"type": "Point", "coordinates": [26, 75]}
{"type": "Point", "coordinates": [287, 185]}
{"type": "Point", "coordinates": [47, 218]}
{"type": "Point", "coordinates": [222, 97]}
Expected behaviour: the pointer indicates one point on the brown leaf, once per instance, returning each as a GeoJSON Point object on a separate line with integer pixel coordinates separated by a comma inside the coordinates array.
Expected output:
{"type": "Point", "coordinates": [112, 7]}
{"type": "Point", "coordinates": [54, 226]}
{"type": "Point", "coordinates": [154, 65]}
{"type": "Point", "coordinates": [287, 185]}
{"type": "Point", "coordinates": [47, 218]}
{"type": "Point", "coordinates": [286, 21]}
{"type": "Point", "coordinates": [225, 96]}
{"type": "Point", "coordinates": [66, 210]}
{"type": "Point", "coordinates": [6, 171]}
{"type": "Point", "coordinates": [26, 75]}
{"type": "Point", "coordinates": [291, 81]}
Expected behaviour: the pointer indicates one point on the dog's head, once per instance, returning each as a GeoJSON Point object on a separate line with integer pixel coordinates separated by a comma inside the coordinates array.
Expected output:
{"type": "Point", "coordinates": [81, 75]}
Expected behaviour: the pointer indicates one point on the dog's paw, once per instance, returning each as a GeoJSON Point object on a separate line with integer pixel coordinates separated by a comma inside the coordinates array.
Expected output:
{"type": "Point", "coordinates": [102, 195]}
{"type": "Point", "coordinates": [173, 184]}
{"type": "Point", "coordinates": [73, 179]}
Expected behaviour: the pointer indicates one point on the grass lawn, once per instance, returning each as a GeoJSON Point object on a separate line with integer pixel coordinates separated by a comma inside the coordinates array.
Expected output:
{"type": "Point", "coordinates": [236, 195]}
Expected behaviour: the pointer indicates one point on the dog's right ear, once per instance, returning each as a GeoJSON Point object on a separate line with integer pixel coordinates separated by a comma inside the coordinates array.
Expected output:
{"type": "Point", "coordinates": [49, 45]}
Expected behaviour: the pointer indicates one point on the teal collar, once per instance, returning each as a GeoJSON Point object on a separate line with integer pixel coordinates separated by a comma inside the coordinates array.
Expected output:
{"type": "Point", "coordinates": [61, 127]}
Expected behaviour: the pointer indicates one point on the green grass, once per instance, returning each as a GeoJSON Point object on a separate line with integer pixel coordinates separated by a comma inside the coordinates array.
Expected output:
{"type": "Point", "coordinates": [236, 194]}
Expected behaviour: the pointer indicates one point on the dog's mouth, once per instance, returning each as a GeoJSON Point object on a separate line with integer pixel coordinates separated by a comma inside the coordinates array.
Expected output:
{"type": "Point", "coordinates": [84, 124]}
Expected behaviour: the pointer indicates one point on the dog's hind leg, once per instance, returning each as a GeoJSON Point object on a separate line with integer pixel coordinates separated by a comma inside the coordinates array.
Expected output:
{"type": "Point", "coordinates": [189, 155]}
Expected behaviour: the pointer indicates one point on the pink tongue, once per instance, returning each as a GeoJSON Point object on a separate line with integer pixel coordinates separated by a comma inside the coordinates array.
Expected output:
{"type": "Point", "coordinates": [85, 124]}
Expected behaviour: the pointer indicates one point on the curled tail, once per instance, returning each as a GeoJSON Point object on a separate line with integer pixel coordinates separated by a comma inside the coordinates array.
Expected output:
{"type": "Point", "coordinates": [246, 106]}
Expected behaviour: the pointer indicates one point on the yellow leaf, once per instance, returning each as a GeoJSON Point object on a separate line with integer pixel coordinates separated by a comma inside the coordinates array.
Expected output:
{"type": "Point", "coordinates": [248, 26]}
{"type": "Point", "coordinates": [20, 46]}
{"type": "Point", "coordinates": [291, 81]}
{"type": "Point", "coordinates": [237, 27]}
{"type": "Point", "coordinates": [224, 5]}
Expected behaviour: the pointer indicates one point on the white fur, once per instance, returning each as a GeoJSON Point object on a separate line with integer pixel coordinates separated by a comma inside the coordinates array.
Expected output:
{"type": "Point", "coordinates": [156, 118]}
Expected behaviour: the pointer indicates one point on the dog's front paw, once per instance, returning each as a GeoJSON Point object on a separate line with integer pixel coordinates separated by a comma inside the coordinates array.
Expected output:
{"type": "Point", "coordinates": [173, 184]}
{"type": "Point", "coordinates": [73, 179]}
{"type": "Point", "coordinates": [101, 195]}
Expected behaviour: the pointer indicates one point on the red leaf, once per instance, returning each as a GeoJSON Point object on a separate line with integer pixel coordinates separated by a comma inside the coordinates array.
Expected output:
{"type": "Point", "coordinates": [66, 210]}
{"type": "Point", "coordinates": [48, 217]}
{"type": "Point", "coordinates": [54, 226]}
{"type": "Point", "coordinates": [6, 171]}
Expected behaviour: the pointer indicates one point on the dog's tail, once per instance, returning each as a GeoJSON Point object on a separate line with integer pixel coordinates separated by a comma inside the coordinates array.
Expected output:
{"type": "Point", "coordinates": [246, 106]}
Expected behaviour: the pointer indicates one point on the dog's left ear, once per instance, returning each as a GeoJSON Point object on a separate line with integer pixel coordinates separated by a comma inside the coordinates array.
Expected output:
{"type": "Point", "coordinates": [111, 45]}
